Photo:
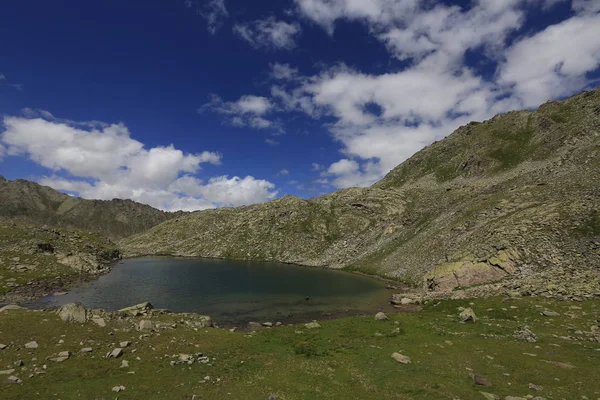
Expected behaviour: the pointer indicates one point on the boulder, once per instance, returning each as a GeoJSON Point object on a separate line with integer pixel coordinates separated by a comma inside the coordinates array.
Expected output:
{"type": "Point", "coordinates": [14, 379]}
{"type": "Point", "coordinates": [100, 322]}
{"type": "Point", "coordinates": [479, 380]}
{"type": "Point", "coordinates": [73, 313]}
{"type": "Point", "coordinates": [138, 308]}
{"type": "Point", "coordinates": [125, 344]}
{"type": "Point", "coordinates": [116, 353]}
{"type": "Point", "coordinates": [86, 350]}
{"type": "Point", "coordinates": [312, 325]}
{"type": "Point", "coordinates": [146, 325]}
{"type": "Point", "coordinates": [31, 345]}
{"type": "Point", "coordinates": [3, 346]}
{"type": "Point", "coordinates": [401, 358]}
{"type": "Point", "coordinates": [523, 333]}
{"type": "Point", "coordinates": [468, 315]}
{"type": "Point", "coordinates": [380, 316]}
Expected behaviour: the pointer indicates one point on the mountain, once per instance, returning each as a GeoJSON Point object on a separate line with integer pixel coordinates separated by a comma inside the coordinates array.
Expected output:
{"type": "Point", "coordinates": [514, 196]}
{"type": "Point", "coordinates": [115, 219]}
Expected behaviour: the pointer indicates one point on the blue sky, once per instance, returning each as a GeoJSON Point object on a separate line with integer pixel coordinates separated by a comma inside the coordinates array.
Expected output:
{"type": "Point", "coordinates": [192, 104]}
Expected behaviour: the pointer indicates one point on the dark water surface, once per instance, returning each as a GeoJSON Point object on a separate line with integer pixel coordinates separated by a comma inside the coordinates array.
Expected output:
{"type": "Point", "coordinates": [231, 292]}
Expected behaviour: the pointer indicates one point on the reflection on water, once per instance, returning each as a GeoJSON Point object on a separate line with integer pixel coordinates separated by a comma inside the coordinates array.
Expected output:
{"type": "Point", "coordinates": [229, 291]}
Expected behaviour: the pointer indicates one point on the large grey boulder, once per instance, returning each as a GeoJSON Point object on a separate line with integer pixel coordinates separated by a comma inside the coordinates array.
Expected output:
{"type": "Point", "coordinates": [380, 316]}
{"type": "Point", "coordinates": [146, 325]}
{"type": "Point", "coordinates": [73, 313]}
{"type": "Point", "coordinates": [138, 309]}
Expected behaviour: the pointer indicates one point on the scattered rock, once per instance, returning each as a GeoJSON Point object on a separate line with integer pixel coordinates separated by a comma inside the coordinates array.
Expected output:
{"type": "Point", "coordinates": [138, 308]}
{"type": "Point", "coordinates": [18, 363]}
{"type": "Point", "coordinates": [100, 322]}
{"type": "Point", "coordinates": [7, 371]}
{"type": "Point", "coordinates": [73, 313]}
{"type": "Point", "coordinates": [523, 333]}
{"type": "Point", "coordinates": [401, 358]}
{"type": "Point", "coordinates": [118, 389]}
{"type": "Point", "coordinates": [86, 350]}
{"type": "Point", "coordinates": [31, 345]}
{"type": "Point", "coordinates": [479, 380]}
{"type": "Point", "coordinates": [59, 359]}
{"type": "Point", "coordinates": [11, 307]}
{"type": "Point", "coordinates": [380, 316]}
{"type": "Point", "coordinates": [550, 313]}
{"type": "Point", "coordinates": [468, 315]}
{"type": "Point", "coordinates": [267, 324]}
{"type": "Point", "coordinates": [56, 294]}
{"type": "Point", "coordinates": [535, 388]}
{"type": "Point", "coordinates": [64, 354]}
{"type": "Point", "coordinates": [560, 364]}
{"type": "Point", "coordinates": [3, 346]}
{"type": "Point", "coordinates": [14, 379]}
{"type": "Point", "coordinates": [146, 325]}
{"type": "Point", "coordinates": [125, 344]}
{"type": "Point", "coordinates": [116, 353]}
{"type": "Point", "coordinates": [124, 364]}
{"type": "Point", "coordinates": [312, 325]}
{"type": "Point", "coordinates": [490, 396]}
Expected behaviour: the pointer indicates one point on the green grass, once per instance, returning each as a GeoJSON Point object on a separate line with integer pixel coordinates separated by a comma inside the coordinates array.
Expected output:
{"type": "Point", "coordinates": [345, 359]}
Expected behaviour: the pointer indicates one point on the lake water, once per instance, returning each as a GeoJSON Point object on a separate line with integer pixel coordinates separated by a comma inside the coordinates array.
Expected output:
{"type": "Point", "coordinates": [231, 292]}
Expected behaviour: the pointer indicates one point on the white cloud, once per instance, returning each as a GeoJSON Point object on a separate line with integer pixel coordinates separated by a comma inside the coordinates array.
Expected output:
{"type": "Point", "coordinates": [2, 77]}
{"type": "Point", "coordinates": [107, 163]}
{"type": "Point", "coordinates": [436, 91]}
{"type": "Point", "coordinates": [246, 111]}
{"type": "Point", "coordinates": [560, 67]}
{"type": "Point", "coordinates": [213, 11]}
{"type": "Point", "coordinates": [283, 172]}
{"type": "Point", "coordinates": [283, 72]}
{"type": "Point", "coordinates": [316, 167]}
{"type": "Point", "coordinates": [269, 34]}
{"type": "Point", "coordinates": [2, 151]}
{"type": "Point", "coordinates": [271, 142]}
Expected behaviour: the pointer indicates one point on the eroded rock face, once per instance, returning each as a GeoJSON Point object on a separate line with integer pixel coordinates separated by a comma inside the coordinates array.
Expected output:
{"type": "Point", "coordinates": [73, 313]}
{"type": "Point", "coordinates": [471, 272]}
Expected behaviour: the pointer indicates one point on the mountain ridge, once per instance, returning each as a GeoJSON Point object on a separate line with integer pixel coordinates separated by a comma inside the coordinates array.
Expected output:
{"type": "Point", "coordinates": [115, 219]}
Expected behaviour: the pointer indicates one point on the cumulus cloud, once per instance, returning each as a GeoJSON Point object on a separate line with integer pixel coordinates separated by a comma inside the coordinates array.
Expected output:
{"type": "Point", "coordinates": [213, 11]}
{"type": "Point", "coordinates": [269, 33]}
{"type": "Point", "coordinates": [103, 161]}
{"type": "Point", "coordinates": [436, 91]}
{"type": "Point", "coordinates": [247, 111]}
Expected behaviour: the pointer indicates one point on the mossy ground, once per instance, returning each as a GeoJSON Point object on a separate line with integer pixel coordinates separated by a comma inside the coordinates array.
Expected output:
{"type": "Point", "coordinates": [345, 359]}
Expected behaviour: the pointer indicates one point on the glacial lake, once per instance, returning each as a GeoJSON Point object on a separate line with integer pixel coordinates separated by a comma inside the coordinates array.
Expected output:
{"type": "Point", "coordinates": [231, 292]}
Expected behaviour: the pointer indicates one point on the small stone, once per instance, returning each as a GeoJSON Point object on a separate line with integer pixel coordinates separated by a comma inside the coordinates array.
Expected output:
{"type": "Point", "coordinates": [125, 344]}
{"type": "Point", "coordinates": [490, 396]}
{"type": "Point", "coordinates": [3, 346]}
{"type": "Point", "coordinates": [380, 316]}
{"type": "Point", "coordinates": [59, 359]}
{"type": "Point", "coordinates": [118, 389]}
{"type": "Point", "coordinates": [405, 301]}
{"type": "Point", "coordinates": [14, 379]}
{"type": "Point", "coordinates": [480, 380]}
{"type": "Point", "coordinates": [31, 345]}
{"type": "Point", "coordinates": [18, 363]}
{"type": "Point", "coordinates": [312, 325]}
{"type": "Point", "coordinates": [535, 388]}
{"type": "Point", "coordinates": [278, 324]}
{"type": "Point", "coordinates": [7, 371]}
{"type": "Point", "coordinates": [100, 322]}
{"type": "Point", "coordinates": [60, 293]}
{"type": "Point", "coordinates": [267, 324]}
{"type": "Point", "coordinates": [86, 350]}
{"type": "Point", "coordinates": [116, 353]}
{"type": "Point", "coordinates": [124, 364]}
{"type": "Point", "coordinates": [550, 313]}
{"type": "Point", "coordinates": [468, 315]}
{"type": "Point", "coordinates": [401, 358]}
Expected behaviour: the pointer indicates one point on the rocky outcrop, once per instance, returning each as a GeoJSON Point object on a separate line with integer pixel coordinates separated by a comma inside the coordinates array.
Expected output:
{"type": "Point", "coordinates": [73, 313]}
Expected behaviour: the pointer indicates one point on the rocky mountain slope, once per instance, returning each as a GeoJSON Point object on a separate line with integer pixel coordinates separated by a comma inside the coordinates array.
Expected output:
{"type": "Point", "coordinates": [115, 219]}
{"type": "Point", "coordinates": [508, 198]}
{"type": "Point", "coordinates": [35, 260]}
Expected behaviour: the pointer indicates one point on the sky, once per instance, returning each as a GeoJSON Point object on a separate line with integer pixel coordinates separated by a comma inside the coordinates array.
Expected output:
{"type": "Point", "coordinates": [196, 104]}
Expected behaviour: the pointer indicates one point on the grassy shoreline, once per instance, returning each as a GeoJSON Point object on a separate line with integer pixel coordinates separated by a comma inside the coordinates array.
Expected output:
{"type": "Point", "coordinates": [345, 358]}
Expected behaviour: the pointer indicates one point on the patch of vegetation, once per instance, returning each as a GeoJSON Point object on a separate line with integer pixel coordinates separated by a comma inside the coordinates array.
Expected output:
{"type": "Point", "coordinates": [346, 358]}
